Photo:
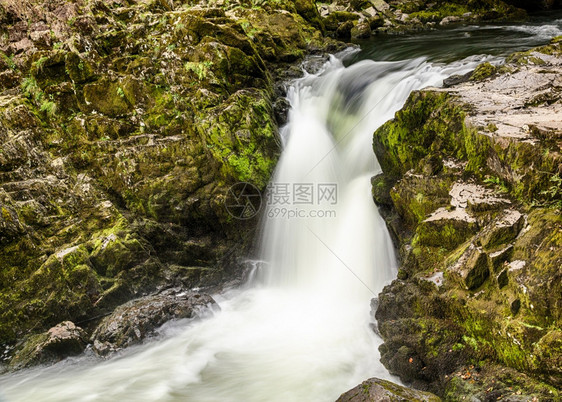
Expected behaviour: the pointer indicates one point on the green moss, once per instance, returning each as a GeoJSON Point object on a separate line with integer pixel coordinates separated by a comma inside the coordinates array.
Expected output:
{"type": "Point", "coordinates": [104, 97]}
{"type": "Point", "coordinates": [429, 122]}
{"type": "Point", "coordinates": [241, 153]}
{"type": "Point", "coordinates": [448, 234]}
{"type": "Point", "coordinates": [483, 71]}
{"type": "Point", "coordinates": [49, 108]}
{"type": "Point", "coordinates": [200, 69]}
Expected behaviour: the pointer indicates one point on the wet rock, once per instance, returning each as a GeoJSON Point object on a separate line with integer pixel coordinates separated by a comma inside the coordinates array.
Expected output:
{"type": "Point", "coordinates": [375, 389]}
{"type": "Point", "coordinates": [134, 321]}
{"type": "Point", "coordinates": [381, 185]}
{"type": "Point", "coordinates": [456, 79]}
{"type": "Point", "coordinates": [63, 340]}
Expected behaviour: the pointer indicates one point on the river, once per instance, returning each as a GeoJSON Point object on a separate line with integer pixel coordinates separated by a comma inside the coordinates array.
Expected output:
{"type": "Point", "coordinates": [301, 329]}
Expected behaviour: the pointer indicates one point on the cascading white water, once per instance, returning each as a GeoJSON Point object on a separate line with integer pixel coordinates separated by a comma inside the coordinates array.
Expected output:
{"type": "Point", "coordinates": [301, 332]}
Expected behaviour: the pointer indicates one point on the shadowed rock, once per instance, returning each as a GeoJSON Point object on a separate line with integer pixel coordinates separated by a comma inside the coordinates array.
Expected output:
{"type": "Point", "coordinates": [63, 340]}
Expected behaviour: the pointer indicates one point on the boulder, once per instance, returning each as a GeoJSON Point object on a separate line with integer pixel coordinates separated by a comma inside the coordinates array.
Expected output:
{"type": "Point", "coordinates": [378, 390]}
{"type": "Point", "coordinates": [134, 321]}
{"type": "Point", "coordinates": [62, 340]}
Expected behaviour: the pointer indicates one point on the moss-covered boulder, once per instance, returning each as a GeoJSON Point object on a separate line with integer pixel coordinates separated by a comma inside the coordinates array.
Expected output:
{"type": "Point", "coordinates": [63, 340]}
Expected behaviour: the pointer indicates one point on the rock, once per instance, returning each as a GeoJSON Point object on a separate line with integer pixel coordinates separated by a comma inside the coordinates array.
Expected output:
{"type": "Point", "coordinates": [123, 126]}
{"type": "Point", "coordinates": [336, 19]}
{"type": "Point", "coordinates": [483, 71]}
{"type": "Point", "coordinates": [456, 79]}
{"type": "Point", "coordinates": [371, 12]}
{"type": "Point", "coordinates": [361, 31]}
{"type": "Point", "coordinates": [376, 22]}
{"type": "Point", "coordinates": [134, 321]}
{"type": "Point", "coordinates": [503, 230]}
{"type": "Point", "coordinates": [375, 389]}
{"type": "Point", "coordinates": [63, 340]}
{"type": "Point", "coordinates": [495, 167]}
{"type": "Point", "coordinates": [450, 20]}
{"type": "Point", "coordinates": [473, 268]}
{"type": "Point", "coordinates": [445, 229]}
{"type": "Point", "coordinates": [344, 29]}
{"type": "Point", "coordinates": [381, 185]}
{"type": "Point", "coordinates": [380, 5]}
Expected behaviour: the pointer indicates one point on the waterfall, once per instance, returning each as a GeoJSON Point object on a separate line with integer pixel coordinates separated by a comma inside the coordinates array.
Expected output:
{"type": "Point", "coordinates": [302, 331]}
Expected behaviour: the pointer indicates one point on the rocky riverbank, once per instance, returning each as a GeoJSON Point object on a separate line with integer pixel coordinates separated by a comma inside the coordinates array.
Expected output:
{"type": "Point", "coordinates": [361, 19]}
{"type": "Point", "coordinates": [472, 194]}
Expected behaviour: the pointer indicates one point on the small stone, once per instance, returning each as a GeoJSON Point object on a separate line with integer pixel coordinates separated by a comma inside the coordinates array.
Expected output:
{"type": "Point", "coordinates": [371, 12]}
{"type": "Point", "coordinates": [380, 5]}
{"type": "Point", "coordinates": [456, 79]}
{"type": "Point", "coordinates": [449, 20]}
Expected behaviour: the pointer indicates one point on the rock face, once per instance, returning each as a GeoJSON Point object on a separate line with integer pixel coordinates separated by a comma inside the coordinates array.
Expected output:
{"type": "Point", "coordinates": [63, 340]}
{"type": "Point", "coordinates": [476, 311]}
{"type": "Point", "coordinates": [134, 321]}
{"type": "Point", "coordinates": [377, 390]}
{"type": "Point", "coordinates": [122, 126]}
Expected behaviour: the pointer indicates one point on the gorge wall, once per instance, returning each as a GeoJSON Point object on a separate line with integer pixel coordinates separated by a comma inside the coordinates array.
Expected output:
{"type": "Point", "coordinates": [471, 192]}
{"type": "Point", "coordinates": [122, 126]}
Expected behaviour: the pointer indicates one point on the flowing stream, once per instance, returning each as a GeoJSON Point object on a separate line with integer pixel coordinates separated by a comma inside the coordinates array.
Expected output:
{"type": "Point", "coordinates": [301, 330]}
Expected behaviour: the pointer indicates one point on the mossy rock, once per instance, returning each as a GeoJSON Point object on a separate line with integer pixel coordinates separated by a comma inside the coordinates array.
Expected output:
{"type": "Point", "coordinates": [375, 389]}
{"type": "Point", "coordinates": [79, 69]}
{"type": "Point", "coordinates": [483, 71]}
{"type": "Point", "coordinates": [108, 97]}
{"type": "Point", "coordinates": [428, 122]}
